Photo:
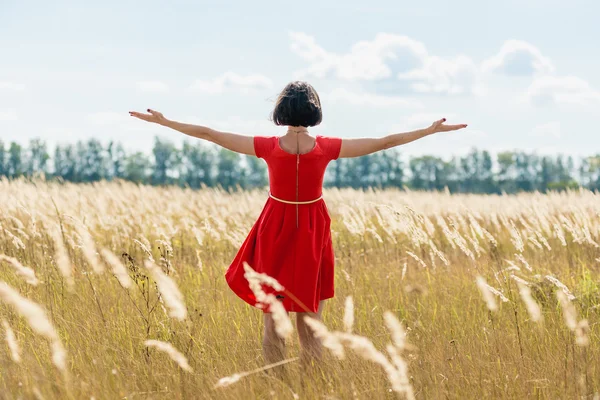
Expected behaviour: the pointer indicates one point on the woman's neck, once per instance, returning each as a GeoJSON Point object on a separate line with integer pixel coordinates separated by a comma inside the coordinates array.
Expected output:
{"type": "Point", "coordinates": [297, 130]}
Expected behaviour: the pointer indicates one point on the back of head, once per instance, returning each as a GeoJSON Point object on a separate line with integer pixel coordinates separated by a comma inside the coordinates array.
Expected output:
{"type": "Point", "coordinates": [298, 104]}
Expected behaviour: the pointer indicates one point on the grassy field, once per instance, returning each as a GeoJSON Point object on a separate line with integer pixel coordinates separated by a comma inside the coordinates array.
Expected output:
{"type": "Point", "coordinates": [428, 258]}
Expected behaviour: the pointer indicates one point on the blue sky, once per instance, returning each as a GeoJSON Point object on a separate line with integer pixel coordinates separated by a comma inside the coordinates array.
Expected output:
{"type": "Point", "coordinates": [522, 74]}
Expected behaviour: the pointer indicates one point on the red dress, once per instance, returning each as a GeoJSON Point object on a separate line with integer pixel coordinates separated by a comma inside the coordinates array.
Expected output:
{"type": "Point", "coordinates": [289, 242]}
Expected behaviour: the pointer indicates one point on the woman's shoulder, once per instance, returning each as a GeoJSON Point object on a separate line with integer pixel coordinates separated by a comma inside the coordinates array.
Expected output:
{"type": "Point", "coordinates": [327, 138]}
{"type": "Point", "coordinates": [264, 145]}
{"type": "Point", "coordinates": [331, 145]}
{"type": "Point", "coordinates": [265, 139]}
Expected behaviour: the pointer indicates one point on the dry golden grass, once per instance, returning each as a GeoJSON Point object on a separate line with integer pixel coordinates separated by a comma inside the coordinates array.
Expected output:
{"type": "Point", "coordinates": [427, 258]}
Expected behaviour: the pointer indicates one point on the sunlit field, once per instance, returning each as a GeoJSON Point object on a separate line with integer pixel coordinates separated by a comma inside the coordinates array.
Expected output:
{"type": "Point", "coordinates": [497, 296]}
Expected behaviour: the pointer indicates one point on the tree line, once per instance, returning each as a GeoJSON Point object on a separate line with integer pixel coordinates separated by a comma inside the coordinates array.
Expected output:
{"type": "Point", "coordinates": [197, 165]}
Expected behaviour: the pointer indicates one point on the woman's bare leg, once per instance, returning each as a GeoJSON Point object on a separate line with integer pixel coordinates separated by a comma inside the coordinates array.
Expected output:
{"type": "Point", "coordinates": [310, 347]}
{"type": "Point", "coordinates": [273, 345]}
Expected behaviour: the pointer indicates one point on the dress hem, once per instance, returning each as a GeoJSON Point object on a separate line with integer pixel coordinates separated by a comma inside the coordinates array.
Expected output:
{"type": "Point", "coordinates": [294, 307]}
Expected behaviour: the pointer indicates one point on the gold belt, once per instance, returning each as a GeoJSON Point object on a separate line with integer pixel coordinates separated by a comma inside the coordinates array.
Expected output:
{"type": "Point", "coordinates": [295, 202]}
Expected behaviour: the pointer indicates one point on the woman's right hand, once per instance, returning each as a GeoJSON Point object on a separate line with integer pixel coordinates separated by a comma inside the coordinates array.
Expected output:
{"type": "Point", "coordinates": [152, 116]}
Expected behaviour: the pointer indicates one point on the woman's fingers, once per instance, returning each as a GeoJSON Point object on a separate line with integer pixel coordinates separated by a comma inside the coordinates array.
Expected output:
{"type": "Point", "coordinates": [440, 127]}
{"type": "Point", "coordinates": [439, 122]}
{"type": "Point", "coordinates": [453, 127]}
{"type": "Point", "coordinates": [142, 116]}
{"type": "Point", "coordinates": [139, 115]}
{"type": "Point", "coordinates": [155, 113]}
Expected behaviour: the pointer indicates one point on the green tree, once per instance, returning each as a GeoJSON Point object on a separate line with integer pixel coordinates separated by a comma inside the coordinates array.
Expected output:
{"type": "Point", "coordinates": [137, 168]}
{"type": "Point", "coordinates": [590, 172]}
{"type": "Point", "coordinates": [391, 169]}
{"type": "Point", "coordinates": [257, 172]}
{"type": "Point", "coordinates": [65, 163]}
{"type": "Point", "coordinates": [197, 165]}
{"type": "Point", "coordinates": [430, 173]}
{"type": "Point", "coordinates": [14, 167]}
{"type": "Point", "coordinates": [116, 160]}
{"type": "Point", "coordinates": [506, 172]}
{"type": "Point", "coordinates": [91, 161]}
{"type": "Point", "coordinates": [229, 172]}
{"type": "Point", "coordinates": [475, 173]}
{"type": "Point", "coordinates": [3, 160]}
{"type": "Point", "coordinates": [527, 167]}
{"type": "Point", "coordinates": [339, 168]}
{"type": "Point", "coordinates": [360, 171]}
{"type": "Point", "coordinates": [165, 161]}
{"type": "Point", "coordinates": [38, 157]}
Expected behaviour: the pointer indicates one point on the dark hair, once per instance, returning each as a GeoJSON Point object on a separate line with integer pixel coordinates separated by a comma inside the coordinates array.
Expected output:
{"type": "Point", "coordinates": [298, 104]}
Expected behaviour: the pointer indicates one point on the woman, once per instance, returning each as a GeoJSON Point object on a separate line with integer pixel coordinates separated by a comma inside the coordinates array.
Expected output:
{"type": "Point", "coordinates": [291, 240]}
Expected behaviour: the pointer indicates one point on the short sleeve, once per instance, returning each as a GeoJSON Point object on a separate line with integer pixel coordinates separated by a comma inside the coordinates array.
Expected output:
{"type": "Point", "coordinates": [331, 147]}
{"type": "Point", "coordinates": [263, 146]}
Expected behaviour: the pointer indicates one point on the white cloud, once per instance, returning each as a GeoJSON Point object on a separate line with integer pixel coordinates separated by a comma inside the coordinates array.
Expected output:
{"type": "Point", "coordinates": [306, 47]}
{"type": "Point", "coordinates": [9, 114]}
{"type": "Point", "coordinates": [440, 75]}
{"type": "Point", "coordinates": [561, 90]}
{"type": "Point", "coordinates": [518, 58]}
{"type": "Point", "coordinates": [461, 75]}
{"type": "Point", "coordinates": [232, 81]}
{"type": "Point", "coordinates": [153, 86]}
{"type": "Point", "coordinates": [4, 85]}
{"type": "Point", "coordinates": [390, 56]}
{"type": "Point", "coordinates": [394, 56]}
{"type": "Point", "coordinates": [547, 129]}
{"type": "Point", "coordinates": [368, 99]}
{"type": "Point", "coordinates": [367, 60]}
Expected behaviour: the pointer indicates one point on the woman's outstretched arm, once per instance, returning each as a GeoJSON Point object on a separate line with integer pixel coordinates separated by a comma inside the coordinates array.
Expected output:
{"type": "Point", "coordinates": [364, 146]}
{"type": "Point", "coordinates": [239, 143]}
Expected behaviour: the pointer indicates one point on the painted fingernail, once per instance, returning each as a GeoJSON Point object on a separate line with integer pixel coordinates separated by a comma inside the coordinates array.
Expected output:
{"type": "Point", "coordinates": [444, 119]}
{"type": "Point", "coordinates": [148, 110]}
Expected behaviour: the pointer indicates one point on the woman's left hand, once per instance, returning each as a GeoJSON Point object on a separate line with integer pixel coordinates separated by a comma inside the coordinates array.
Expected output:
{"type": "Point", "coordinates": [152, 116]}
{"type": "Point", "coordinates": [439, 126]}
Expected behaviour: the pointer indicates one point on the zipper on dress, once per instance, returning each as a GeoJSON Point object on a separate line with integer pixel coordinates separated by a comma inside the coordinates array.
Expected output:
{"type": "Point", "coordinates": [297, 174]}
